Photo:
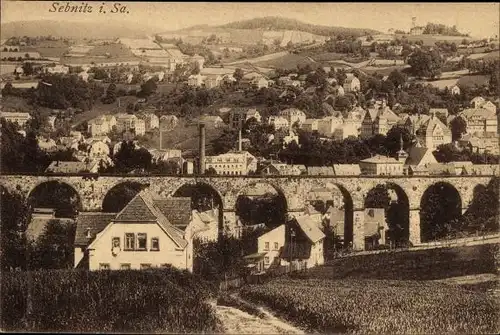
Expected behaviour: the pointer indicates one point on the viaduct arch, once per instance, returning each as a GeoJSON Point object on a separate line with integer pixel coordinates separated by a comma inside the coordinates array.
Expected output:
{"type": "Point", "coordinates": [93, 189]}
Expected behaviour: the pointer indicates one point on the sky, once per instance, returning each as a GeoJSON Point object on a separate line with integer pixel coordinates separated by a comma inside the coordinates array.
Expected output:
{"type": "Point", "coordinates": [478, 19]}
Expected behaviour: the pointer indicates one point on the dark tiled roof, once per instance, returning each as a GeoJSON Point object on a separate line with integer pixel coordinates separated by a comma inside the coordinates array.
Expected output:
{"type": "Point", "coordinates": [175, 234]}
{"type": "Point", "coordinates": [177, 210]}
{"type": "Point", "coordinates": [136, 210]}
{"type": "Point", "coordinates": [415, 155]}
{"type": "Point", "coordinates": [96, 221]}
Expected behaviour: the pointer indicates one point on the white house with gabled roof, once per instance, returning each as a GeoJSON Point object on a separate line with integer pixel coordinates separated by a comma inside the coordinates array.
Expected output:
{"type": "Point", "coordinates": [148, 232]}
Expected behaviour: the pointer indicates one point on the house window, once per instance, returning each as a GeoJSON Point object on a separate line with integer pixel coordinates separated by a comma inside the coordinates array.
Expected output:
{"type": "Point", "coordinates": [115, 242]}
{"type": "Point", "coordinates": [275, 245]}
{"type": "Point", "coordinates": [141, 241]}
{"type": "Point", "coordinates": [266, 260]}
{"type": "Point", "coordinates": [266, 246]}
{"type": "Point", "coordinates": [129, 241]}
{"type": "Point", "coordinates": [104, 266]}
{"type": "Point", "coordinates": [125, 266]}
{"type": "Point", "coordinates": [155, 244]}
{"type": "Point", "coordinates": [145, 266]}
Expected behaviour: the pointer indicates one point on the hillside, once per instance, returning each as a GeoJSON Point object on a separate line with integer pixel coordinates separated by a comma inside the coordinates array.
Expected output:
{"type": "Point", "coordinates": [280, 23]}
{"type": "Point", "coordinates": [77, 30]}
{"type": "Point", "coordinates": [264, 30]}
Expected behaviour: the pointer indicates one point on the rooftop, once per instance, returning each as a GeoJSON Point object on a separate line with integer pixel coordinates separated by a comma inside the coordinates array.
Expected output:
{"type": "Point", "coordinates": [379, 159]}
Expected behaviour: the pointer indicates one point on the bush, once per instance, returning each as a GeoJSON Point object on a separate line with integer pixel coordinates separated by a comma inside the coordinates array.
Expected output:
{"type": "Point", "coordinates": [163, 300]}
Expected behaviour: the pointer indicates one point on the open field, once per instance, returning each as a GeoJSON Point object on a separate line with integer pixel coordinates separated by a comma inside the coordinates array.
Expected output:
{"type": "Point", "coordinates": [466, 80]}
{"type": "Point", "coordinates": [383, 70]}
{"type": "Point", "coordinates": [163, 301]}
{"type": "Point", "coordinates": [100, 109]}
{"type": "Point", "coordinates": [115, 50]}
{"type": "Point", "coordinates": [287, 61]}
{"type": "Point", "coordinates": [261, 58]}
{"type": "Point", "coordinates": [378, 307]}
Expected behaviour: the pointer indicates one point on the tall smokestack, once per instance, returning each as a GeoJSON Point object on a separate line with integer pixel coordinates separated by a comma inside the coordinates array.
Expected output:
{"type": "Point", "coordinates": [239, 140]}
{"type": "Point", "coordinates": [201, 163]}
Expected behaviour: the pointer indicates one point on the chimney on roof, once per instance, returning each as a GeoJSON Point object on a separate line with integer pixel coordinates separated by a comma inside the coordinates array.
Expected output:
{"type": "Point", "coordinates": [201, 163]}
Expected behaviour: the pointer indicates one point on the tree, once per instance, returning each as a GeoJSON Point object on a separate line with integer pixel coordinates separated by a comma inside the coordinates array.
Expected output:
{"type": "Point", "coordinates": [378, 197]}
{"type": "Point", "coordinates": [393, 139]}
{"type": "Point", "coordinates": [16, 215]}
{"type": "Point", "coordinates": [387, 87]}
{"type": "Point", "coordinates": [129, 158]}
{"type": "Point", "coordinates": [211, 171]}
{"type": "Point", "coordinates": [8, 89]}
{"type": "Point", "coordinates": [60, 92]}
{"type": "Point", "coordinates": [28, 68]}
{"type": "Point", "coordinates": [110, 94]}
{"type": "Point", "coordinates": [238, 74]}
{"type": "Point", "coordinates": [458, 127]}
{"type": "Point", "coordinates": [54, 249]}
{"type": "Point", "coordinates": [148, 88]}
{"type": "Point", "coordinates": [440, 212]}
{"type": "Point", "coordinates": [449, 153]}
{"type": "Point", "coordinates": [425, 63]}
{"type": "Point", "coordinates": [99, 74]}
{"type": "Point", "coordinates": [343, 103]}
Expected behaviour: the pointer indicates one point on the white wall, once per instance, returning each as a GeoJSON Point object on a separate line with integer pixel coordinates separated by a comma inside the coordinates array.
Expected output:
{"type": "Point", "coordinates": [317, 257]}
{"type": "Point", "coordinates": [78, 255]}
{"type": "Point", "coordinates": [275, 235]}
{"type": "Point", "coordinates": [168, 253]}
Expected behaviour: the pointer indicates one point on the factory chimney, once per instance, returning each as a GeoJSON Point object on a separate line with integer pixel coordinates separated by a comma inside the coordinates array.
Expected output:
{"type": "Point", "coordinates": [239, 140]}
{"type": "Point", "coordinates": [201, 163]}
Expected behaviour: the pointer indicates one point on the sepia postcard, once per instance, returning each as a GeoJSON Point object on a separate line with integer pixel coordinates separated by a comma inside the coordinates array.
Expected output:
{"type": "Point", "coordinates": [249, 167]}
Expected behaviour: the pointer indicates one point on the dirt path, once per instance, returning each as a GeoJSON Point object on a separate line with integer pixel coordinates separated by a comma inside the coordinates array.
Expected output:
{"type": "Point", "coordinates": [235, 321]}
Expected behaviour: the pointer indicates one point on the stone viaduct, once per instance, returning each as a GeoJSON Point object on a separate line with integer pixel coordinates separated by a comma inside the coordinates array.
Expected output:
{"type": "Point", "coordinates": [92, 189]}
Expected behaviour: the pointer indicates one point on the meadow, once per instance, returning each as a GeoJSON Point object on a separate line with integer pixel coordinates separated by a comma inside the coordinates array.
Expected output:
{"type": "Point", "coordinates": [378, 306]}
{"type": "Point", "coordinates": [162, 300]}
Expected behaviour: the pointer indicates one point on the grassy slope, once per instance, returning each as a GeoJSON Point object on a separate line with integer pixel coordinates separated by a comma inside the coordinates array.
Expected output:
{"type": "Point", "coordinates": [185, 137]}
{"type": "Point", "coordinates": [412, 265]}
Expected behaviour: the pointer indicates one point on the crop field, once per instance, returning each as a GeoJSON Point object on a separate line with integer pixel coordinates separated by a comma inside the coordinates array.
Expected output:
{"type": "Point", "coordinates": [412, 265]}
{"type": "Point", "coordinates": [287, 61]}
{"type": "Point", "coordinates": [166, 301]}
{"type": "Point", "coordinates": [378, 307]}
{"type": "Point", "coordinates": [466, 80]}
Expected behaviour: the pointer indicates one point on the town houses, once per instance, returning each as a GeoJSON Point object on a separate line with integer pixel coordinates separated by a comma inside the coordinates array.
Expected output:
{"type": "Point", "coordinates": [148, 232]}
